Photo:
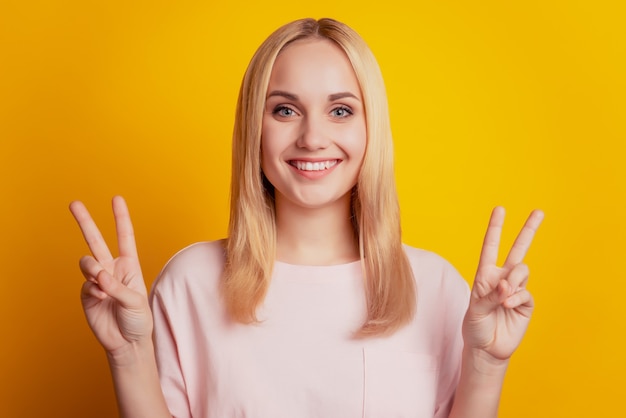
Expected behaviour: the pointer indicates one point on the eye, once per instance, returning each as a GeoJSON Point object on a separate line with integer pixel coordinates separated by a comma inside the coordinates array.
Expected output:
{"type": "Point", "coordinates": [284, 111]}
{"type": "Point", "coordinates": [341, 112]}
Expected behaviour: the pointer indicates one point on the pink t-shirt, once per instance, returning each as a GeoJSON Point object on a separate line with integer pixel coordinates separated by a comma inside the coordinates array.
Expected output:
{"type": "Point", "coordinates": [301, 360]}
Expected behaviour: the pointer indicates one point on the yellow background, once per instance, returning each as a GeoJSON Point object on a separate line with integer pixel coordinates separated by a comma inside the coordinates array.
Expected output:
{"type": "Point", "coordinates": [516, 103]}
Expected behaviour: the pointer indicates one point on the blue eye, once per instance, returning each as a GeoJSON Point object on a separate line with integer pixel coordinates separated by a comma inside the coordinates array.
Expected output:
{"type": "Point", "coordinates": [283, 111]}
{"type": "Point", "coordinates": [341, 112]}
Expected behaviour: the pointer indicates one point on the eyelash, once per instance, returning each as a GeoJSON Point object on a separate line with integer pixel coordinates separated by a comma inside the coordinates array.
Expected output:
{"type": "Point", "coordinates": [278, 109]}
{"type": "Point", "coordinates": [343, 109]}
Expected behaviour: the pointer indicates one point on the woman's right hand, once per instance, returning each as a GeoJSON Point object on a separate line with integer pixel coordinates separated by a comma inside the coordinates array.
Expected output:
{"type": "Point", "coordinates": [114, 294]}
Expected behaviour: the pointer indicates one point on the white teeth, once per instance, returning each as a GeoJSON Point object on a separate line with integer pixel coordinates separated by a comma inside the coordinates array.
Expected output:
{"type": "Point", "coordinates": [316, 166]}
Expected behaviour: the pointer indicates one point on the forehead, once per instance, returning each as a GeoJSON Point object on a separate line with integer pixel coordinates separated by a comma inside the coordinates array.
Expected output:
{"type": "Point", "coordinates": [313, 64]}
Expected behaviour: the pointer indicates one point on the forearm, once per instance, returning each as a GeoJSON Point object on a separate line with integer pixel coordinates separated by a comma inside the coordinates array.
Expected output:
{"type": "Point", "coordinates": [136, 382]}
{"type": "Point", "coordinates": [480, 386]}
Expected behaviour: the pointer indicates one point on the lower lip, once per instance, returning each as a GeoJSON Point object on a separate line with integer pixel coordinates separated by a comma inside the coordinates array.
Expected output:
{"type": "Point", "coordinates": [314, 175]}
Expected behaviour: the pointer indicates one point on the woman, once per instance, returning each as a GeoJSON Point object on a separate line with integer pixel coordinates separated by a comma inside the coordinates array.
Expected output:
{"type": "Point", "coordinates": [311, 307]}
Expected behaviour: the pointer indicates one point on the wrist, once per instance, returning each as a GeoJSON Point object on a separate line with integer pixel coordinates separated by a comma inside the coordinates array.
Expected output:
{"type": "Point", "coordinates": [480, 385]}
{"type": "Point", "coordinates": [481, 363]}
{"type": "Point", "coordinates": [136, 380]}
{"type": "Point", "coordinates": [131, 354]}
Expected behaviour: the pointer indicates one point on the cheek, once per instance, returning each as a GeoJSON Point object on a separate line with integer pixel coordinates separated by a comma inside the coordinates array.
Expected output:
{"type": "Point", "coordinates": [358, 141]}
{"type": "Point", "coordinates": [272, 149]}
{"type": "Point", "coordinates": [268, 148]}
{"type": "Point", "coordinates": [276, 139]}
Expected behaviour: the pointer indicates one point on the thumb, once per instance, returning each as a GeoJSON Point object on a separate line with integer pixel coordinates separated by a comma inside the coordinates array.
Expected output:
{"type": "Point", "coordinates": [126, 297]}
{"type": "Point", "coordinates": [482, 306]}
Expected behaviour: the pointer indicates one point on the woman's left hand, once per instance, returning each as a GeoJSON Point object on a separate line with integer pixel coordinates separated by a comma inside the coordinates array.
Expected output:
{"type": "Point", "coordinates": [500, 305]}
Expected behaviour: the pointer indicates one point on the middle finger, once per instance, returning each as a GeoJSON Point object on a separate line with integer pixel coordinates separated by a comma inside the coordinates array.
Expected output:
{"type": "Point", "coordinates": [524, 239]}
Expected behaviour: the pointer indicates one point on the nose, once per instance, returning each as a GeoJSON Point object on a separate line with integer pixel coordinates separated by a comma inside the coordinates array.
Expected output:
{"type": "Point", "coordinates": [313, 135]}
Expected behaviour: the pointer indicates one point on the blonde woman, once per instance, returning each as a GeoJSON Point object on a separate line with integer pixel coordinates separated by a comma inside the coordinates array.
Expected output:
{"type": "Point", "coordinates": [312, 307]}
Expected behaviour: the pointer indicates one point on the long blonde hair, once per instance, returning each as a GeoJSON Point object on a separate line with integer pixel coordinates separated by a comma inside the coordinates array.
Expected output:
{"type": "Point", "coordinates": [251, 246]}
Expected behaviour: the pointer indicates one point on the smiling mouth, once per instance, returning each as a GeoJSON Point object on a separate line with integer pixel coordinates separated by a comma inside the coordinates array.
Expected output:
{"type": "Point", "coordinates": [313, 166]}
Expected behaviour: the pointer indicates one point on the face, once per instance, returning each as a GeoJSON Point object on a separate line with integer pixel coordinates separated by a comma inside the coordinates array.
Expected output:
{"type": "Point", "coordinates": [313, 135]}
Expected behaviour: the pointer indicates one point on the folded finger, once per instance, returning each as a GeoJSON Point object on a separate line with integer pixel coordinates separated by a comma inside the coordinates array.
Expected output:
{"type": "Point", "coordinates": [90, 231]}
{"type": "Point", "coordinates": [521, 301]}
{"type": "Point", "coordinates": [127, 297]}
{"type": "Point", "coordinates": [91, 289]}
{"type": "Point", "coordinates": [484, 305]}
{"type": "Point", "coordinates": [90, 268]}
{"type": "Point", "coordinates": [518, 277]}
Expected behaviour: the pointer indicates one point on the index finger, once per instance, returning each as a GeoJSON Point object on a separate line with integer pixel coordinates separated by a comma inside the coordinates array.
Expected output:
{"type": "Point", "coordinates": [524, 239]}
{"type": "Point", "coordinates": [91, 233]}
{"type": "Point", "coordinates": [124, 227]}
{"type": "Point", "coordinates": [491, 243]}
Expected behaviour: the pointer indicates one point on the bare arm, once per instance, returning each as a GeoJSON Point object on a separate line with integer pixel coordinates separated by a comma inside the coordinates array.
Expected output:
{"type": "Point", "coordinates": [115, 303]}
{"type": "Point", "coordinates": [136, 382]}
{"type": "Point", "coordinates": [496, 320]}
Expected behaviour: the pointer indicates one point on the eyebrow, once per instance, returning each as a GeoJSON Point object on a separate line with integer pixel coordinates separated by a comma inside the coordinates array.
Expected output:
{"type": "Point", "coordinates": [284, 94]}
{"type": "Point", "coordinates": [331, 97]}
{"type": "Point", "coordinates": [342, 95]}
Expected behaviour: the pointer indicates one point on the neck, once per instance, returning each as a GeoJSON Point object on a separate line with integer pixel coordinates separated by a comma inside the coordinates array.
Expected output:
{"type": "Point", "coordinates": [315, 236]}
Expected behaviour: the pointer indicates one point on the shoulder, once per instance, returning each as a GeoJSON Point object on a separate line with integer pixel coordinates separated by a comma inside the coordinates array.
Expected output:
{"type": "Point", "coordinates": [199, 263]}
{"type": "Point", "coordinates": [432, 271]}
{"type": "Point", "coordinates": [442, 296]}
{"type": "Point", "coordinates": [200, 253]}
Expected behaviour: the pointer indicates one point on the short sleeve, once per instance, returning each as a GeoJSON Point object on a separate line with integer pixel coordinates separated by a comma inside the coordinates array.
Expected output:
{"type": "Point", "coordinates": [456, 293]}
{"type": "Point", "coordinates": [188, 315]}
{"type": "Point", "coordinates": [167, 356]}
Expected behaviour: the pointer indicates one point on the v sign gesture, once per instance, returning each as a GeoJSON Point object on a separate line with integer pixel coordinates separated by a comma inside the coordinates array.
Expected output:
{"type": "Point", "coordinates": [496, 320]}
{"type": "Point", "coordinates": [116, 305]}
{"type": "Point", "coordinates": [114, 295]}
{"type": "Point", "coordinates": [500, 306]}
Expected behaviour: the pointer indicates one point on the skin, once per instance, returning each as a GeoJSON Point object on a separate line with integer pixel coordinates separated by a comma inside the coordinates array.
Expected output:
{"type": "Point", "coordinates": [313, 227]}
{"type": "Point", "coordinates": [496, 320]}
{"type": "Point", "coordinates": [116, 306]}
{"type": "Point", "coordinates": [313, 114]}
